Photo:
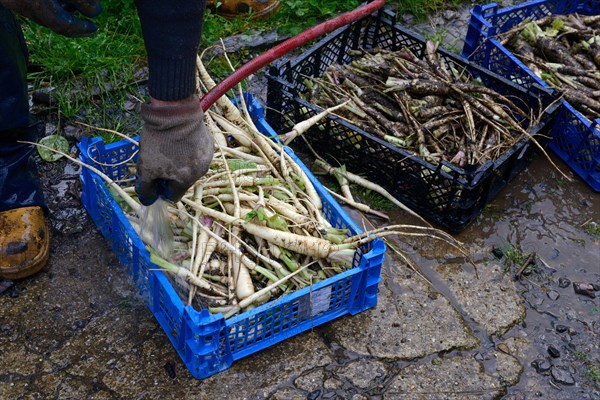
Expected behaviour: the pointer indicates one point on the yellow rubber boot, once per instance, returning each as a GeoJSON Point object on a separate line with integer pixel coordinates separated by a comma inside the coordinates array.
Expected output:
{"type": "Point", "coordinates": [230, 9]}
{"type": "Point", "coordinates": [24, 242]}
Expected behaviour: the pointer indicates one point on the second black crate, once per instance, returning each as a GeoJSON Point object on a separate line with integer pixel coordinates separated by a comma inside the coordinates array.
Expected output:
{"type": "Point", "coordinates": [445, 193]}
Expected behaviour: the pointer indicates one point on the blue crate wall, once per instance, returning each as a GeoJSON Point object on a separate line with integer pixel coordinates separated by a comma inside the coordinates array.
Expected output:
{"type": "Point", "coordinates": [574, 138]}
{"type": "Point", "coordinates": [208, 343]}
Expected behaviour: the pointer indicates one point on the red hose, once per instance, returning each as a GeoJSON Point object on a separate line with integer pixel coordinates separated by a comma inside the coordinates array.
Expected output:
{"type": "Point", "coordinates": [283, 48]}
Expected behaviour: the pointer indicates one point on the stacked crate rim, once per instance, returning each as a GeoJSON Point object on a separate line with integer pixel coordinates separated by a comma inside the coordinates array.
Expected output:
{"type": "Point", "coordinates": [451, 196]}
{"type": "Point", "coordinates": [208, 343]}
{"type": "Point", "coordinates": [574, 138]}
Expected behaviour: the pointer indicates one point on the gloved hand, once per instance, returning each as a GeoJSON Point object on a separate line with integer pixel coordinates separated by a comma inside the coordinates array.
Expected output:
{"type": "Point", "coordinates": [58, 15]}
{"type": "Point", "coordinates": [175, 150]}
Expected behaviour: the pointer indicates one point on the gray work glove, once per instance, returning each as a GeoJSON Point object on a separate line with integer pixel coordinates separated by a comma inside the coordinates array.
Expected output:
{"type": "Point", "coordinates": [58, 15]}
{"type": "Point", "coordinates": [175, 150]}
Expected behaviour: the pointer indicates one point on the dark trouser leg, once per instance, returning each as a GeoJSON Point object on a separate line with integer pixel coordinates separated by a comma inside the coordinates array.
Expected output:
{"type": "Point", "coordinates": [19, 184]}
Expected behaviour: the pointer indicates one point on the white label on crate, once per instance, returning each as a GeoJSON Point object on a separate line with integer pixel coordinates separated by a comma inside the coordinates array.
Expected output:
{"type": "Point", "coordinates": [320, 301]}
{"type": "Point", "coordinates": [314, 303]}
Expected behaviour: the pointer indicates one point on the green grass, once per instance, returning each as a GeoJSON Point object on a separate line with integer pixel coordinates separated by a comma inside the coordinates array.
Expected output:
{"type": "Point", "coordinates": [514, 255]}
{"type": "Point", "coordinates": [592, 228]}
{"type": "Point", "coordinates": [593, 374]}
{"type": "Point", "coordinates": [295, 16]}
{"type": "Point", "coordinates": [592, 371]}
{"type": "Point", "coordinates": [108, 55]}
{"type": "Point", "coordinates": [515, 258]}
{"type": "Point", "coordinates": [373, 199]}
{"type": "Point", "coordinates": [362, 195]}
{"type": "Point", "coordinates": [125, 304]}
{"type": "Point", "coordinates": [73, 68]}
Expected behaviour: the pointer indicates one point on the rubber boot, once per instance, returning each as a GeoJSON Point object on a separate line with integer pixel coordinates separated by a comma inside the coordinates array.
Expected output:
{"type": "Point", "coordinates": [258, 9]}
{"type": "Point", "coordinates": [24, 240]}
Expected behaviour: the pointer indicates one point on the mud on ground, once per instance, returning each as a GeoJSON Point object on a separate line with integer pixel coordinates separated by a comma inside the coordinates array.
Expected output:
{"type": "Point", "coordinates": [79, 330]}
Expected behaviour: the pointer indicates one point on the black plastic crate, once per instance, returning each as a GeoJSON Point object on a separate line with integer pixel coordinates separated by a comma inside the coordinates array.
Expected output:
{"type": "Point", "coordinates": [446, 194]}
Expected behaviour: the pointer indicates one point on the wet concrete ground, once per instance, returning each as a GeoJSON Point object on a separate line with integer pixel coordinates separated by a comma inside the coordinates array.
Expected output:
{"type": "Point", "coordinates": [79, 330]}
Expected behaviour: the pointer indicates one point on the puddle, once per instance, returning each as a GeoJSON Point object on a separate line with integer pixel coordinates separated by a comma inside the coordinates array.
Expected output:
{"type": "Point", "coordinates": [72, 170]}
{"type": "Point", "coordinates": [540, 213]}
{"type": "Point", "coordinates": [61, 188]}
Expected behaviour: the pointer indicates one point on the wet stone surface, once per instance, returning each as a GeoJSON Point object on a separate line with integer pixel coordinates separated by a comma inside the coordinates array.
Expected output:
{"type": "Point", "coordinates": [541, 365]}
{"type": "Point", "coordinates": [79, 329]}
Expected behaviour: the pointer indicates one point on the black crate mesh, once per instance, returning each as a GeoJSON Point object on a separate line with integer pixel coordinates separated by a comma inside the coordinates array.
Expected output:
{"type": "Point", "coordinates": [448, 195]}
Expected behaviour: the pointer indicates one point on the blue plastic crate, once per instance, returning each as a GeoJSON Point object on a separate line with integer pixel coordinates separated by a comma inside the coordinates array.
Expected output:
{"type": "Point", "coordinates": [574, 138]}
{"type": "Point", "coordinates": [209, 343]}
